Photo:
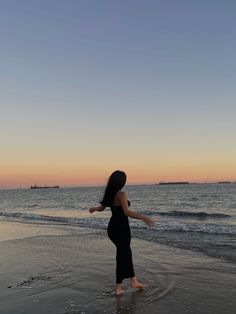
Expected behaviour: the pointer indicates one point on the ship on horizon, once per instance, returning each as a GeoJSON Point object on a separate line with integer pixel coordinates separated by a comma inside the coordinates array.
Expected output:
{"type": "Point", "coordinates": [44, 187]}
{"type": "Point", "coordinates": [173, 182]}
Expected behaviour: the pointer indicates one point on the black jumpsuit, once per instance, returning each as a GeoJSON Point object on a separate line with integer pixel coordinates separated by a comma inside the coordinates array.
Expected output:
{"type": "Point", "coordinates": [119, 233]}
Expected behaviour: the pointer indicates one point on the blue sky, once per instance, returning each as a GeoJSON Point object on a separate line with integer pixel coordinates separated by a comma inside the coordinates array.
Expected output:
{"type": "Point", "coordinates": [150, 81]}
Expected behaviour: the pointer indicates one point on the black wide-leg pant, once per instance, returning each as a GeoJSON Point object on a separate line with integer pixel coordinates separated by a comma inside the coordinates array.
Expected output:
{"type": "Point", "coordinates": [120, 235]}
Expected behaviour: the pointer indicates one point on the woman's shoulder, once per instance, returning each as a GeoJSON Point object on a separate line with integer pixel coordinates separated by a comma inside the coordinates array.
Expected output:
{"type": "Point", "coordinates": [121, 195]}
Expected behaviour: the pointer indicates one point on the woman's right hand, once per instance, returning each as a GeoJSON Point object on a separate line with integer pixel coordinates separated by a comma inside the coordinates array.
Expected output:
{"type": "Point", "coordinates": [92, 210]}
{"type": "Point", "coordinates": [148, 221]}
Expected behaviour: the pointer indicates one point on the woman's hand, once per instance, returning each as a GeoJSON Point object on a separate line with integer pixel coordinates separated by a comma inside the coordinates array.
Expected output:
{"type": "Point", "coordinates": [92, 210]}
{"type": "Point", "coordinates": [148, 221]}
{"type": "Point", "coordinates": [97, 209]}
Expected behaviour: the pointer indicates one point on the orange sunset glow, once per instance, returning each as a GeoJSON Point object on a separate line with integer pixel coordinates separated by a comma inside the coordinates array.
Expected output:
{"type": "Point", "coordinates": [158, 104]}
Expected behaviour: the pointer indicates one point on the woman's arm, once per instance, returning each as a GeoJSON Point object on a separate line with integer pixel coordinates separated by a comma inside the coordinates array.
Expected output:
{"type": "Point", "coordinates": [97, 209]}
{"type": "Point", "coordinates": [124, 203]}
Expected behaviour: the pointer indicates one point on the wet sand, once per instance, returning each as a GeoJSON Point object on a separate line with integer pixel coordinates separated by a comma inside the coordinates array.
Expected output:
{"type": "Point", "coordinates": [57, 269]}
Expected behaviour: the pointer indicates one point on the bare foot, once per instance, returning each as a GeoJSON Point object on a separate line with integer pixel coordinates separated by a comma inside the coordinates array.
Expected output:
{"type": "Point", "coordinates": [119, 290]}
{"type": "Point", "coordinates": [137, 284]}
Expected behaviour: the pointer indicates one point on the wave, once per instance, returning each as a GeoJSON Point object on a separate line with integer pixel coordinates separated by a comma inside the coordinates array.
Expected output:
{"type": "Point", "coordinates": [33, 205]}
{"type": "Point", "coordinates": [53, 219]}
{"type": "Point", "coordinates": [211, 239]}
{"type": "Point", "coordinates": [101, 223]}
{"type": "Point", "coordinates": [174, 227]}
{"type": "Point", "coordinates": [176, 213]}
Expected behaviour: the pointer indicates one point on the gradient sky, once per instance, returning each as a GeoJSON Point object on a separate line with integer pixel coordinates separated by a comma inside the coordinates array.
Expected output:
{"type": "Point", "coordinates": [88, 87]}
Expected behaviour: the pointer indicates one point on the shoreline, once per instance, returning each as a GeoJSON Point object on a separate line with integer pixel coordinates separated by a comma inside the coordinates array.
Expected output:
{"type": "Point", "coordinates": [72, 270]}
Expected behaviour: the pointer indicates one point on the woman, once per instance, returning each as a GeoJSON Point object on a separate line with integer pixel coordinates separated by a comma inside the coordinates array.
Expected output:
{"type": "Point", "coordinates": [118, 228]}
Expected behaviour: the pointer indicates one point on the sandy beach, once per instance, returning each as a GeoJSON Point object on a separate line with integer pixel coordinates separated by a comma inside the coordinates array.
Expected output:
{"type": "Point", "coordinates": [50, 269]}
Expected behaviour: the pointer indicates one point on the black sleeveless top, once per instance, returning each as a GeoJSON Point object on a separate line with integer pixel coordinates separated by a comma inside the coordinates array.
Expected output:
{"type": "Point", "coordinates": [118, 212]}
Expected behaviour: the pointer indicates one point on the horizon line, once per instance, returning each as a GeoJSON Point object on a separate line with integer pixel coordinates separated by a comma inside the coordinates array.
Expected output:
{"type": "Point", "coordinates": [129, 184]}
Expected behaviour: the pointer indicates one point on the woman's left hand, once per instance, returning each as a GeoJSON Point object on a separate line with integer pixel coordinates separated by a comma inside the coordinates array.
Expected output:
{"type": "Point", "coordinates": [149, 221]}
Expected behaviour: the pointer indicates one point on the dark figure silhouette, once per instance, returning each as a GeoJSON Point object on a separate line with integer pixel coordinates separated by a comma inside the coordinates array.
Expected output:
{"type": "Point", "coordinates": [118, 228]}
{"type": "Point", "coordinates": [119, 233]}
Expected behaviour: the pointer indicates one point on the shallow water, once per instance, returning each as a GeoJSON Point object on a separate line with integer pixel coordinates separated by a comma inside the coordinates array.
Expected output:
{"type": "Point", "coordinates": [75, 273]}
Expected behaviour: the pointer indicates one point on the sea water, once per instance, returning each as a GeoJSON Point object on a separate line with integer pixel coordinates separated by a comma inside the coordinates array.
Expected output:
{"type": "Point", "coordinates": [198, 217]}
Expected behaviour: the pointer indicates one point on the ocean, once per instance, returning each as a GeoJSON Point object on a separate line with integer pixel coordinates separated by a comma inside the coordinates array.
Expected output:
{"type": "Point", "coordinates": [195, 217]}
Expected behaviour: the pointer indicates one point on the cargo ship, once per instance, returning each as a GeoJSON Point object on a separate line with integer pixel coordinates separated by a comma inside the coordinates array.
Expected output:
{"type": "Point", "coordinates": [174, 182]}
{"type": "Point", "coordinates": [44, 187]}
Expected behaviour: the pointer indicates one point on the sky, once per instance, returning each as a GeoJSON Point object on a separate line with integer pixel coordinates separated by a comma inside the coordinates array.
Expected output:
{"type": "Point", "coordinates": [88, 87]}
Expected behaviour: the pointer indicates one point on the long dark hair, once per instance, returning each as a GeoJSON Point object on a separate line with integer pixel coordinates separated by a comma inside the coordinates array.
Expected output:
{"type": "Point", "coordinates": [115, 183]}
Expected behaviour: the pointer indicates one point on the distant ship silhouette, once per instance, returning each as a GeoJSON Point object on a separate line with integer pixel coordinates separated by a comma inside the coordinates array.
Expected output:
{"type": "Point", "coordinates": [44, 187]}
{"type": "Point", "coordinates": [174, 182]}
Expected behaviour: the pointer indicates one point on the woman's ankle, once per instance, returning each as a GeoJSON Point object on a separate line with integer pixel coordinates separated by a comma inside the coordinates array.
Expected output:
{"type": "Point", "coordinates": [133, 279]}
{"type": "Point", "coordinates": [119, 289]}
{"type": "Point", "coordinates": [135, 283]}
